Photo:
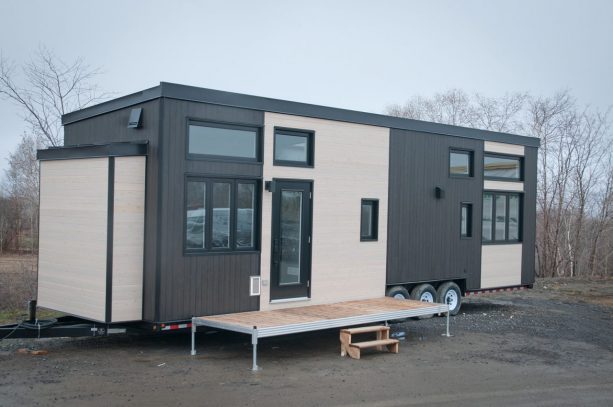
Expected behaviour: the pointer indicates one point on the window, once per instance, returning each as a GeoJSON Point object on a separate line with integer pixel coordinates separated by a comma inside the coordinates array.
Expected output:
{"type": "Point", "coordinates": [230, 224]}
{"type": "Point", "coordinates": [369, 223]}
{"type": "Point", "coordinates": [466, 220]}
{"type": "Point", "coordinates": [501, 217]}
{"type": "Point", "coordinates": [293, 148]}
{"type": "Point", "coordinates": [502, 167]}
{"type": "Point", "coordinates": [223, 141]}
{"type": "Point", "coordinates": [460, 163]}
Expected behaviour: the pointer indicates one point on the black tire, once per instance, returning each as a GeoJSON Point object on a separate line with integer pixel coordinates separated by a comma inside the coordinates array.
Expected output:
{"type": "Point", "coordinates": [424, 292]}
{"type": "Point", "coordinates": [446, 293]}
{"type": "Point", "coordinates": [398, 292]}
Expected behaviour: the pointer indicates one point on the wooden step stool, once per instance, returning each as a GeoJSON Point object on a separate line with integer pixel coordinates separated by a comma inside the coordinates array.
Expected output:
{"type": "Point", "coordinates": [354, 349]}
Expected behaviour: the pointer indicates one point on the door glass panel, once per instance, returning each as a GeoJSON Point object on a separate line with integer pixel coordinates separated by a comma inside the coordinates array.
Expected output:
{"type": "Point", "coordinates": [245, 204]}
{"type": "Point", "coordinates": [221, 215]}
{"type": "Point", "coordinates": [196, 216]}
{"type": "Point", "coordinates": [501, 217]}
{"type": "Point", "coordinates": [487, 217]}
{"type": "Point", "coordinates": [290, 237]}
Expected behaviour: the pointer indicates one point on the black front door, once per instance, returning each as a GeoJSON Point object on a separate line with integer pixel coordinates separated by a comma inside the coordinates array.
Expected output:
{"type": "Point", "coordinates": [291, 240]}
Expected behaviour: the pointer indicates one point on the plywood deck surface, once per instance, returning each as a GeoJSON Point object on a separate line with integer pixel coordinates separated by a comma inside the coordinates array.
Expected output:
{"type": "Point", "coordinates": [317, 313]}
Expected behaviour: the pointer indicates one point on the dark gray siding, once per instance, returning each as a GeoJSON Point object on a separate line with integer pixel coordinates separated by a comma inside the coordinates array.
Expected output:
{"type": "Point", "coordinates": [529, 213]}
{"type": "Point", "coordinates": [112, 127]}
{"type": "Point", "coordinates": [424, 232]}
{"type": "Point", "coordinates": [199, 284]}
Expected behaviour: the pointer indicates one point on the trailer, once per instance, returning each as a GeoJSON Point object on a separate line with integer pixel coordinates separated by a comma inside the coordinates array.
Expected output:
{"type": "Point", "coordinates": [179, 202]}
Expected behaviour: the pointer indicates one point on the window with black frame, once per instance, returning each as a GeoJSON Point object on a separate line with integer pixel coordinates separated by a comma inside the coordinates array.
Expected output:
{"type": "Point", "coordinates": [466, 220]}
{"type": "Point", "coordinates": [222, 141]}
{"type": "Point", "coordinates": [294, 148]}
{"type": "Point", "coordinates": [460, 163]}
{"type": "Point", "coordinates": [502, 215]}
{"type": "Point", "coordinates": [369, 220]}
{"type": "Point", "coordinates": [220, 215]}
{"type": "Point", "coordinates": [501, 167]}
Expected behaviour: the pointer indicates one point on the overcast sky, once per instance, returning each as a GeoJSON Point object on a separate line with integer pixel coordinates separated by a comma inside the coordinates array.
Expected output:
{"type": "Point", "coordinates": [360, 55]}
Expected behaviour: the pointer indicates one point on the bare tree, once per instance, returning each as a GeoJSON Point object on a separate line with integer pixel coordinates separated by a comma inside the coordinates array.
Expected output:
{"type": "Point", "coordinates": [45, 89]}
{"type": "Point", "coordinates": [52, 88]}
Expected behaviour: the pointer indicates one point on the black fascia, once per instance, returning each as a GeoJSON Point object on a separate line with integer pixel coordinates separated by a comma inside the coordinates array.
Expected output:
{"type": "Point", "coordinates": [93, 151]}
{"type": "Point", "coordinates": [231, 99]}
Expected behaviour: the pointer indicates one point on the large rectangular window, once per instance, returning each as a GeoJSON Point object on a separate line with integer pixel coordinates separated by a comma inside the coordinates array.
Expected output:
{"type": "Point", "coordinates": [369, 220]}
{"type": "Point", "coordinates": [293, 148]}
{"type": "Point", "coordinates": [460, 163]}
{"type": "Point", "coordinates": [231, 222]}
{"type": "Point", "coordinates": [223, 141]}
{"type": "Point", "coordinates": [502, 167]}
{"type": "Point", "coordinates": [501, 220]}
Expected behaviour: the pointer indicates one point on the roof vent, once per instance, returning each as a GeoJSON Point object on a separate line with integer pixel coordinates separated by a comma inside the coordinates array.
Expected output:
{"type": "Point", "coordinates": [136, 118]}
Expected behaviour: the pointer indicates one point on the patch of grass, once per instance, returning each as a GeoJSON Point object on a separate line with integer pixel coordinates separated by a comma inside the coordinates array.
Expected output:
{"type": "Point", "coordinates": [11, 316]}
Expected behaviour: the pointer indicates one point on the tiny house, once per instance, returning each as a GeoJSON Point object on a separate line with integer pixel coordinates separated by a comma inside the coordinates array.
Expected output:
{"type": "Point", "coordinates": [179, 201]}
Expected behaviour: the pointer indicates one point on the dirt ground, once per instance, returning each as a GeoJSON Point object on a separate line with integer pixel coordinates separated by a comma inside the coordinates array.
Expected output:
{"type": "Point", "coordinates": [549, 346]}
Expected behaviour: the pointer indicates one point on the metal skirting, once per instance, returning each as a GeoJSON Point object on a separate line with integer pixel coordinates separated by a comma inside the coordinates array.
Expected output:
{"type": "Point", "coordinates": [316, 324]}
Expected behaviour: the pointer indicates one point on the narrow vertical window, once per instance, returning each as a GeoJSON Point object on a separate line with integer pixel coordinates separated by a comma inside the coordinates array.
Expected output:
{"type": "Point", "coordinates": [466, 216]}
{"type": "Point", "coordinates": [196, 215]}
{"type": "Point", "coordinates": [501, 218]}
{"type": "Point", "coordinates": [245, 216]}
{"type": "Point", "coordinates": [221, 215]}
{"type": "Point", "coordinates": [514, 217]}
{"type": "Point", "coordinates": [488, 207]}
{"type": "Point", "coordinates": [369, 220]}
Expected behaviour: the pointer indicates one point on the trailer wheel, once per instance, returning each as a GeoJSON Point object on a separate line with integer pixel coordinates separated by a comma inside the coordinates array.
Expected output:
{"type": "Point", "coordinates": [398, 292]}
{"type": "Point", "coordinates": [449, 293]}
{"type": "Point", "coordinates": [424, 293]}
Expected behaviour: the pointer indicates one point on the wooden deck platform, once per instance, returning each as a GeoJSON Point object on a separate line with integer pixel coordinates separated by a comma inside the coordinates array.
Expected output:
{"type": "Point", "coordinates": [262, 324]}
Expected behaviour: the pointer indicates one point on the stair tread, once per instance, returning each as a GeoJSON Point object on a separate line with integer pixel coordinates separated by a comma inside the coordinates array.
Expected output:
{"type": "Point", "coordinates": [370, 344]}
{"type": "Point", "coordinates": [365, 329]}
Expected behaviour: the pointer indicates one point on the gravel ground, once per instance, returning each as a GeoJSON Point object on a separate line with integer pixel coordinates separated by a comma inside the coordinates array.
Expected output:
{"type": "Point", "coordinates": [549, 346]}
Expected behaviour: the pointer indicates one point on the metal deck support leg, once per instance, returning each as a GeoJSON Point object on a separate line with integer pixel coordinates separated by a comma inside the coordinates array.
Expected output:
{"type": "Point", "coordinates": [254, 342]}
{"type": "Point", "coordinates": [194, 336]}
{"type": "Point", "coordinates": [447, 334]}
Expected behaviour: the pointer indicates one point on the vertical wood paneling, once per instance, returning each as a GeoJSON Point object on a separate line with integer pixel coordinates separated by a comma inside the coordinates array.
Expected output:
{"type": "Point", "coordinates": [424, 232]}
{"type": "Point", "coordinates": [112, 127]}
{"type": "Point", "coordinates": [128, 238]}
{"type": "Point", "coordinates": [199, 284]}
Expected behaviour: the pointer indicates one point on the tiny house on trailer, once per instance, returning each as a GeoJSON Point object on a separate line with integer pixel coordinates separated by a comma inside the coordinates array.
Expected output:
{"type": "Point", "coordinates": [179, 201]}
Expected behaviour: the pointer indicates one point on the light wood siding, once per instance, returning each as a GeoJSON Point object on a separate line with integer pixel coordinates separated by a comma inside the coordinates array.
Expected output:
{"type": "Point", "coordinates": [501, 265]}
{"type": "Point", "coordinates": [128, 238]}
{"type": "Point", "coordinates": [112, 127]}
{"type": "Point", "coordinates": [351, 163]}
{"type": "Point", "coordinates": [73, 236]}
{"type": "Point", "coordinates": [503, 186]}
{"type": "Point", "coordinates": [503, 148]}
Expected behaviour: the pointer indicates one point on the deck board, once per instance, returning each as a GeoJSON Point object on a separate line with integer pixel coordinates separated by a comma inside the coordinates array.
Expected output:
{"type": "Point", "coordinates": [314, 313]}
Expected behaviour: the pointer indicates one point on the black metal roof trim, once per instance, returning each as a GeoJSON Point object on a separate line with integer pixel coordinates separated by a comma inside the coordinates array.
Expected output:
{"type": "Point", "coordinates": [93, 151]}
{"type": "Point", "coordinates": [195, 94]}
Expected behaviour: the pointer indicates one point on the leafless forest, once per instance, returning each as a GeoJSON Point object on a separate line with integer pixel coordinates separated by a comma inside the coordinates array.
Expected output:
{"type": "Point", "coordinates": [575, 169]}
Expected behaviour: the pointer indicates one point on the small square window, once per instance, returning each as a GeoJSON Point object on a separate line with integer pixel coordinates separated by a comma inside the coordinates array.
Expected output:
{"type": "Point", "coordinates": [369, 220]}
{"type": "Point", "coordinates": [466, 220]}
{"type": "Point", "coordinates": [460, 163]}
{"type": "Point", "coordinates": [293, 148]}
